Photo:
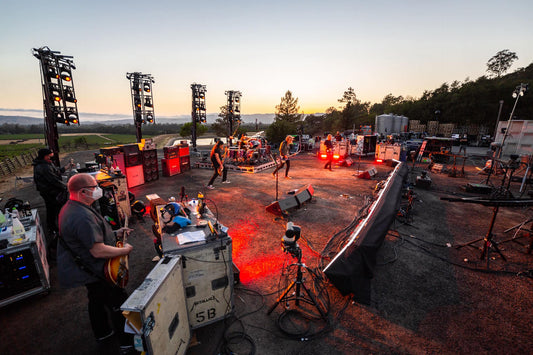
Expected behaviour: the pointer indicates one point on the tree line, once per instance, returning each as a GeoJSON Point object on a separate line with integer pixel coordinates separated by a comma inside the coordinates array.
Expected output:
{"type": "Point", "coordinates": [466, 103]}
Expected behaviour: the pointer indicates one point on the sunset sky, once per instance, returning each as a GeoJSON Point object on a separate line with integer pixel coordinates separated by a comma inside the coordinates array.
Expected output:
{"type": "Point", "coordinates": [316, 49]}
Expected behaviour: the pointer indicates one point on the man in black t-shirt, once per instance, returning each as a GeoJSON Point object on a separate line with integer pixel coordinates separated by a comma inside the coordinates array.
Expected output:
{"type": "Point", "coordinates": [85, 235]}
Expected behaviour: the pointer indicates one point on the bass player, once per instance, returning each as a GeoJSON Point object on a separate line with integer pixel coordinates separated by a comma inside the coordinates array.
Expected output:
{"type": "Point", "coordinates": [86, 242]}
{"type": "Point", "coordinates": [217, 158]}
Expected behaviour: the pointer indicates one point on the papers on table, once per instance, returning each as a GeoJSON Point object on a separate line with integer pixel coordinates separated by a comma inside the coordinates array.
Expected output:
{"type": "Point", "coordinates": [191, 237]}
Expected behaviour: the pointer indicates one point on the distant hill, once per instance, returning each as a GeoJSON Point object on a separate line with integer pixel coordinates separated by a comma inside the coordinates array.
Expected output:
{"type": "Point", "coordinates": [265, 118]}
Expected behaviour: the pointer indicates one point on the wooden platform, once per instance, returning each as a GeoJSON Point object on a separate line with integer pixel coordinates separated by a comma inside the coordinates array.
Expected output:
{"type": "Point", "coordinates": [243, 168]}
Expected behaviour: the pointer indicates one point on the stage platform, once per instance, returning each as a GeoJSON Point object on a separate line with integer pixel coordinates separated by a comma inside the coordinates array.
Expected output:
{"type": "Point", "coordinates": [243, 168]}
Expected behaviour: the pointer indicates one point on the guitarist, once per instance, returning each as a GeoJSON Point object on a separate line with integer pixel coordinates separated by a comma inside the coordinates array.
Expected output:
{"type": "Point", "coordinates": [285, 156]}
{"type": "Point", "coordinates": [217, 158]}
{"type": "Point", "coordinates": [86, 242]}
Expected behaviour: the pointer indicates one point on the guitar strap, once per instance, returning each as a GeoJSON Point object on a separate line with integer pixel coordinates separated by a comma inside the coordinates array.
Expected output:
{"type": "Point", "coordinates": [81, 264]}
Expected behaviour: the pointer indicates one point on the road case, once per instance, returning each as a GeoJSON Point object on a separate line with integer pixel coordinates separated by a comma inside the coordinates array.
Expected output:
{"type": "Point", "coordinates": [157, 312]}
{"type": "Point", "coordinates": [24, 267]}
{"type": "Point", "coordinates": [207, 275]}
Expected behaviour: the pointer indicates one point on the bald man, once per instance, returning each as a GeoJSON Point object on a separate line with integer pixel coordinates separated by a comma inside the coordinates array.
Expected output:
{"type": "Point", "coordinates": [85, 234]}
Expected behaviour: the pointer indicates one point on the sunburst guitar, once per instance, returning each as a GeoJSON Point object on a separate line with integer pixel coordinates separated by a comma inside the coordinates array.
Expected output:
{"type": "Point", "coordinates": [116, 269]}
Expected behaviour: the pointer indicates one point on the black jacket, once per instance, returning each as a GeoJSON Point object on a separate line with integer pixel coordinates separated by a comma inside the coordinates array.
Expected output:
{"type": "Point", "coordinates": [47, 178]}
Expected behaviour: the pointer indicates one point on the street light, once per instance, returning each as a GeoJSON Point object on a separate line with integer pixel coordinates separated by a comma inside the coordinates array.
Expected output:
{"type": "Point", "coordinates": [518, 92]}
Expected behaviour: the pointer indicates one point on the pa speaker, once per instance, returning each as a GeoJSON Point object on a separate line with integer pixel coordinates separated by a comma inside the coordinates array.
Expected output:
{"type": "Point", "coordinates": [301, 195]}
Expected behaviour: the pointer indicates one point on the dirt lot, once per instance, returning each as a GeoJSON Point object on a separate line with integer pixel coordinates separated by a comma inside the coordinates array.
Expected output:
{"type": "Point", "coordinates": [427, 295]}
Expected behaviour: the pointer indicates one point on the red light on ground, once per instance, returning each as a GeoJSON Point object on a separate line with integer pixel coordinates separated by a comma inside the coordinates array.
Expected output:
{"type": "Point", "coordinates": [336, 156]}
{"type": "Point", "coordinates": [379, 161]}
{"type": "Point", "coordinates": [323, 156]}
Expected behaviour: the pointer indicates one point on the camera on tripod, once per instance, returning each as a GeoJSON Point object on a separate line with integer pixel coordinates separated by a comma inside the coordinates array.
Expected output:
{"type": "Point", "coordinates": [290, 238]}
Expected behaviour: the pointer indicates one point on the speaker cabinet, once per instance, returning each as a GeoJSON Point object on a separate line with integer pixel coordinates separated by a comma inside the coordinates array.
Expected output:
{"type": "Point", "coordinates": [170, 167]}
{"type": "Point", "coordinates": [183, 150]}
{"type": "Point", "coordinates": [171, 152]}
{"type": "Point", "coordinates": [134, 175]}
{"type": "Point", "coordinates": [301, 195]}
{"type": "Point", "coordinates": [150, 165]}
{"type": "Point", "coordinates": [132, 159]}
{"type": "Point", "coordinates": [185, 163]}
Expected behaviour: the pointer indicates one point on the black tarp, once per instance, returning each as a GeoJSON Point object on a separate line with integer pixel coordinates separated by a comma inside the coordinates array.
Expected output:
{"type": "Point", "coordinates": [353, 268]}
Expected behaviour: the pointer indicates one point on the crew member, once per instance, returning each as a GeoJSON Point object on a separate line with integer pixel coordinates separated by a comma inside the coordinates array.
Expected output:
{"type": "Point", "coordinates": [329, 151]}
{"type": "Point", "coordinates": [174, 217]}
{"type": "Point", "coordinates": [463, 142]}
{"type": "Point", "coordinates": [285, 158]}
{"type": "Point", "coordinates": [217, 158]}
{"type": "Point", "coordinates": [86, 243]}
{"type": "Point", "coordinates": [47, 178]}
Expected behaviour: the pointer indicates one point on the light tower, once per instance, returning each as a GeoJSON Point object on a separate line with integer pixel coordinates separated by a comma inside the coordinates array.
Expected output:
{"type": "Point", "coordinates": [233, 111]}
{"type": "Point", "coordinates": [59, 99]}
{"type": "Point", "coordinates": [142, 100]}
{"type": "Point", "coordinates": [198, 114]}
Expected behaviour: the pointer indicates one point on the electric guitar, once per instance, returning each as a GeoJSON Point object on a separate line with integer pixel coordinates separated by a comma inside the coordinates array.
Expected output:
{"type": "Point", "coordinates": [223, 160]}
{"type": "Point", "coordinates": [116, 270]}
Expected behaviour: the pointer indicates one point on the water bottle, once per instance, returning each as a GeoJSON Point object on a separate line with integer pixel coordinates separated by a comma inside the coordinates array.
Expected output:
{"type": "Point", "coordinates": [17, 228]}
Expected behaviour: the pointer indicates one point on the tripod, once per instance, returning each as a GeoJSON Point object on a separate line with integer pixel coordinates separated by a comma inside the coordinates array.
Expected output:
{"type": "Point", "coordinates": [488, 243]}
{"type": "Point", "coordinates": [299, 284]}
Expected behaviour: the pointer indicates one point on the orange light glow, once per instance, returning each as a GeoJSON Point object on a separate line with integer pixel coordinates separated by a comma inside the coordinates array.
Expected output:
{"type": "Point", "coordinates": [379, 161]}
{"type": "Point", "coordinates": [336, 156]}
{"type": "Point", "coordinates": [323, 156]}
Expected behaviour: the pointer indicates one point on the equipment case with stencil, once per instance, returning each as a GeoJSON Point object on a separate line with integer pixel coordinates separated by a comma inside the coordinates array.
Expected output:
{"type": "Point", "coordinates": [157, 312]}
{"type": "Point", "coordinates": [207, 277]}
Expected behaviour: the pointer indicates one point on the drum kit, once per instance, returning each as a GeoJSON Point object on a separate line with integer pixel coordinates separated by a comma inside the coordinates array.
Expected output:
{"type": "Point", "coordinates": [251, 151]}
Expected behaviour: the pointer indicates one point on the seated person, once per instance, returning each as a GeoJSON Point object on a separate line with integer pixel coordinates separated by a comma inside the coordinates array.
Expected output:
{"type": "Point", "coordinates": [173, 218]}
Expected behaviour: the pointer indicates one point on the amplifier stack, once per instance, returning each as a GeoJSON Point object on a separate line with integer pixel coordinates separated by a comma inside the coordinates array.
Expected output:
{"type": "Point", "coordinates": [185, 159]}
{"type": "Point", "coordinates": [177, 159]}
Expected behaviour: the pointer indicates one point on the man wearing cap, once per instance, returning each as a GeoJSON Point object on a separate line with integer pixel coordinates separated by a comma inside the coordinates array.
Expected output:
{"type": "Point", "coordinates": [47, 178]}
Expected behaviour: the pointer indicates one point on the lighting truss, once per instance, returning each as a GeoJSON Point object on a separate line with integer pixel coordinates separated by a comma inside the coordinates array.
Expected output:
{"type": "Point", "coordinates": [233, 110]}
{"type": "Point", "coordinates": [59, 98]}
{"type": "Point", "coordinates": [198, 114]}
{"type": "Point", "coordinates": [142, 100]}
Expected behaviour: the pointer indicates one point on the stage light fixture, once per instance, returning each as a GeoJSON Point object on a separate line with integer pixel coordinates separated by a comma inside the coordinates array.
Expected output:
{"type": "Point", "coordinates": [52, 73]}
{"type": "Point", "coordinates": [150, 117]}
{"type": "Point", "coordinates": [58, 115]}
{"type": "Point", "coordinates": [69, 95]}
{"type": "Point", "coordinates": [147, 87]}
{"type": "Point", "coordinates": [72, 115]}
{"type": "Point", "coordinates": [66, 74]}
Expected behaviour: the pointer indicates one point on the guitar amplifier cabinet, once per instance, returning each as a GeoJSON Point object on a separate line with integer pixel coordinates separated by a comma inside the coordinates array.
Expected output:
{"type": "Point", "coordinates": [134, 175]}
{"type": "Point", "coordinates": [132, 159]}
{"type": "Point", "coordinates": [156, 311]}
{"type": "Point", "coordinates": [110, 151]}
{"type": "Point", "coordinates": [185, 163]}
{"type": "Point", "coordinates": [171, 152]}
{"type": "Point", "coordinates": [207, 277]}
{"type": "Point", "coordinates": [183, 150]}
{"type": "Point", "coordinates": [129, 149]}
{"type": "Point", "coordinates": [170, 167]}
{"type": "Point", "coordinates": [150, 165]}
{"type": "Point", "coordinates": [24, 270]}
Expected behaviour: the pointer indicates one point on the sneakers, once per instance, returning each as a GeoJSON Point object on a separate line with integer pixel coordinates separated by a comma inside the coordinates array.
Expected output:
{"type": "Point", "coordinates": [288, 177]}
{"type": "Point", "coordinates": [226, 182]}
{"type": "Point", "coordinates": [210, 187]}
